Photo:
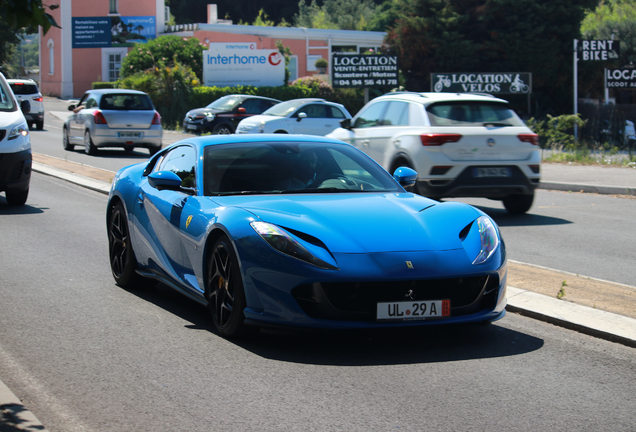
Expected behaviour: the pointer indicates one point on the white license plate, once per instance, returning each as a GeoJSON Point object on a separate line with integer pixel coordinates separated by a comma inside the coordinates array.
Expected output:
{"type": "Point", "coordinates": [191, 126]}
{"type": "Point", "coordinates": [491, 172]}
{"type": "Point", "coordinates": [413, 310]}
{"type": "Point", "coordinates": [129, 134]}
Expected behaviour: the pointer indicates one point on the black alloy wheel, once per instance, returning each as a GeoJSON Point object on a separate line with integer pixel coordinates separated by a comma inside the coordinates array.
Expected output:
{"type": "Point", "coordinates": [123, 263]}
{"type": "Point", "coordinates": [224, 289]}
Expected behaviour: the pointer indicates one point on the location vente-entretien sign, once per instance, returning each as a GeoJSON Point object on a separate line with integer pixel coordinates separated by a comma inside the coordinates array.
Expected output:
{"type": "Point", "coordinates": [366, 70]}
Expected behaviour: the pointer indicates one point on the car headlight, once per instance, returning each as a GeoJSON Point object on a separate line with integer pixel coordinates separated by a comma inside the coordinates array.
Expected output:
{"type": "Point", "coordinates": [209, 116]}
{"type": "Point", "coordinates": [22, 129]}
{"type": "Point", "coordinates": [489, 237]}
{"type": "Point", "coordinates": [261, 127]}
{"type": "Point", "coordinates": [283, 242]}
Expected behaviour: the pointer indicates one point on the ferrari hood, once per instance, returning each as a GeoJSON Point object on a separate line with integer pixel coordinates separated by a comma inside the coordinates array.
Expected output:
{"type": "Point", "coordinates": [364, 223]}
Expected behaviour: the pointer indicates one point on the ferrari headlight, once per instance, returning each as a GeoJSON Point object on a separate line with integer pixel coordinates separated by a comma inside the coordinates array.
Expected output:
{"type": "Point", "coordinates": [283, 242]}
{"type": "Point", "coordinates": [22, 129]}
{"type": "Point", "coordinates": [489, 238]}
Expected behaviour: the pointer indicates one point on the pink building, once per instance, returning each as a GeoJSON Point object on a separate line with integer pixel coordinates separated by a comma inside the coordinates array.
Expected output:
{"type": "Point", "coordinates": [97, 34]}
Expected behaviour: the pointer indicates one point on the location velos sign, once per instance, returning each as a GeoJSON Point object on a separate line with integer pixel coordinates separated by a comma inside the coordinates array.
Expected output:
{"type": "Point", "coordinates": [367, 70]}
{"type": "Point", "coordinates": [482, 82]}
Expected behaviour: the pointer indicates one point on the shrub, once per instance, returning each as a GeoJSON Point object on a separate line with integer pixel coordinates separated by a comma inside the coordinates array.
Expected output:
{"type": "Point", "coordinates": [321, 63]}
{"type": "Point", "coordinates": [163, 51]}
{"type": "Point", "coordinates": [103, 85]}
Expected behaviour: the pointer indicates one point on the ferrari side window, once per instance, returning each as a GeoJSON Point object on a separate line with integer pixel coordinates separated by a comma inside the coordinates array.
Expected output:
{"type": "Point", "coordinates": [181, 161]}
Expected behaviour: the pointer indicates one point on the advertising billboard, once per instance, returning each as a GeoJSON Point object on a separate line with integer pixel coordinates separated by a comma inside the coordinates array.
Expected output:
{"type": "Point", "coordinates": [241, 63]}
{"type": "Point", "coordinates": [367, 70]}
{"type": "Point", "coordinates": [105, 32]}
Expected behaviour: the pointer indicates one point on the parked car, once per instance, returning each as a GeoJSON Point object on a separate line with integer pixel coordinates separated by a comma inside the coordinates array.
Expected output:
{"type": "Point", "coordinates": [297, 116]}
{"type": "Point", "coordinates": [301, 231]}
{"type": "Point", "coordinates": [113, 118]}
{"type": "Point", "coordinates": [224, 114]}
{"type": "Point", "coordinates": [15, 146]}
{"type": "Point", "coordinates": [27, 89]}
{"type": "Point", "coordinates": [461, 145]}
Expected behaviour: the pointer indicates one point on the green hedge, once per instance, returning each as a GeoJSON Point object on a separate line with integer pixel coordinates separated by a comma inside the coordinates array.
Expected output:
{"type": "Point", "coordinates": [103, 85]}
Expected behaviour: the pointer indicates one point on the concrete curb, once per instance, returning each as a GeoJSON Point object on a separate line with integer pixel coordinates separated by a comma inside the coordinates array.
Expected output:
{"type": "Point", "coordinates": [14, 415]}
{"type": "Point", "coordinates": [588, 188]}
{"type": "Point", "coordinates": [586, 320]}
{"type": "Point", "coordinates": [78, 179]}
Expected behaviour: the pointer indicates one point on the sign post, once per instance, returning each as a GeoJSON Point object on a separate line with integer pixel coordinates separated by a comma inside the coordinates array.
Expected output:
{"type": "Point", "coordinates": [603, 50]}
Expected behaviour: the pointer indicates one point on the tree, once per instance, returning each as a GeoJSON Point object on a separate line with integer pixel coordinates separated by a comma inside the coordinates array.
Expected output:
{"type": "Point", "coordinates": [336, 14]}
{"type": "Point", "coordinates": [490, 36]}
{"type": "Point", "coordinates": [27, 13]}
{"type": "Point", "coordinates": [286, 53]}
{"type": "Point", "coordinates": [160, 52]}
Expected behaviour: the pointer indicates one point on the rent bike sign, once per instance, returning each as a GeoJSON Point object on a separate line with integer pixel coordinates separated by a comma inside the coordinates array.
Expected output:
{"type": "Point", "coordinates": [482, 82]}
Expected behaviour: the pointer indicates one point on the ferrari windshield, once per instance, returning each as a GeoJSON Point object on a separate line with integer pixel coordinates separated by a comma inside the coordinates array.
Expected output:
{"type": "Point", "coordinates": [291, 167]}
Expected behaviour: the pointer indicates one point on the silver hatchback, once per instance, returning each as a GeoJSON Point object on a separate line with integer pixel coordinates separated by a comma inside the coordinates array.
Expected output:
{"type": "Point", "coordinates": [113, 118]}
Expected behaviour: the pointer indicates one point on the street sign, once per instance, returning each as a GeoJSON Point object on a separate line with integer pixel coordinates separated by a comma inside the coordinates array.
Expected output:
{"type": "Point", "coordinates": [482, 82]}
{"type": "Point", "coordinates": [620, 78]}
{"type": "Point", "coordinates": [363, 71]}
{"type": "Point", "coordinates": [600, 50]}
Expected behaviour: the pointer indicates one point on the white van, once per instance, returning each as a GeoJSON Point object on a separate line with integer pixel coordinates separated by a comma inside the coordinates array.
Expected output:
{"type": "Point", "coordinates": [15, 146]}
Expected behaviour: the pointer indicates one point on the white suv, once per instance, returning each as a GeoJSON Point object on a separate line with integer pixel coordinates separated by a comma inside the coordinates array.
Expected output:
{"type": "Point", "coordinates": [27, 89]}
{"type": "Point", "coordinates": [461, 145]}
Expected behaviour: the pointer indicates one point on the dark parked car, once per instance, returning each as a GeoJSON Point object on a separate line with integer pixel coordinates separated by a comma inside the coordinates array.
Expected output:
{"type": "Point", "coordinates": [224, 114]}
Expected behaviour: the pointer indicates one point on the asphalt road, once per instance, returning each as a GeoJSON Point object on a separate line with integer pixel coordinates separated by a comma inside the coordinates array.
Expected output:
{"type": "Point", "coordinates": [85, 355]}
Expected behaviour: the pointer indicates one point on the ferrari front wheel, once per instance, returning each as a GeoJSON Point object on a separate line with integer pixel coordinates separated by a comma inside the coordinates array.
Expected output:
{"type": "Point", "coordinates": [224, 289]}
{"type": "Point", "coordinates": [123, 263]}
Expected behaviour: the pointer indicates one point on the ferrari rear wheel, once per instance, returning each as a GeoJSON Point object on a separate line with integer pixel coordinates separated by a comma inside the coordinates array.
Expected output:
{"type": "Point", "coordinates": [224, 289]}
{"type": "Point", "coordinates": [122, 257]}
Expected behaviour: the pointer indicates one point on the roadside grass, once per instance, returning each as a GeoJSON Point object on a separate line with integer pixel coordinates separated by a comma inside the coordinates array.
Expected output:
{"type": "Point", "coordinates": [611, 157]}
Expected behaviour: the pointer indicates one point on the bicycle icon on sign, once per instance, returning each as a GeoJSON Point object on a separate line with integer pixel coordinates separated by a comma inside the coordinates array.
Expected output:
{"type": "Point", "coordinates": [442, 81]}
{"type": "Point", "coordinates": [518, 86]}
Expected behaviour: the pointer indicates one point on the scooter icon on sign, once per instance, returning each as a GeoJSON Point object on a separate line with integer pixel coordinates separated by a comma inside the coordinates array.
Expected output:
{"type": "Point", "coordinates": [442, 81]}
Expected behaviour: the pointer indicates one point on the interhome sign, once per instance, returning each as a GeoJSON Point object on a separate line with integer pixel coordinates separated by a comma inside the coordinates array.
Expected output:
{"type": "Point", "coordinates": [482, 82]}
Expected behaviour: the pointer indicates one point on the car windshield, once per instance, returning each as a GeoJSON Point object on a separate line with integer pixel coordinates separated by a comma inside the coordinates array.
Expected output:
{"type": "Point", "coordinates": [472, 114]}
{"type": "Point", "coordinates": [225, 103]}
{"type": "Point", "coordinates": [125, 102]}
{"type": "Point", "coordinates": [23, 89]}
{"type": "Point", "coordinates": [283, 109]}
{"type": "Point", "coordinates": [6, 101]}
{"type": "Point", "coordinates": [291, 167]}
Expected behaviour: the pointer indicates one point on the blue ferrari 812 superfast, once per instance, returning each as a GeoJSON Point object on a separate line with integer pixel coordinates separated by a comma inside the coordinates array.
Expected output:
{"type": "Point", "coordinates": [303, 232]}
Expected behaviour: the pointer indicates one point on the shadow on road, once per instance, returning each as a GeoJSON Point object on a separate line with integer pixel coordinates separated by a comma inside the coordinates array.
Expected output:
{"type": "Point", "coordinates": [504, 219]}
{"type": "Point", "coordinates": [7, 209]}
{"type": "Point", "coordinates": [431, 344]}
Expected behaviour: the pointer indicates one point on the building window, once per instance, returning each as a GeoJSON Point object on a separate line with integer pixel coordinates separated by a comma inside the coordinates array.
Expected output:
{"type": "Point", "coordinates": [111, 63]}
{"type": "Point", "coordinates": [50, 44]}
{"type": "Point", "coordinates": [293, 67]}
{"type": "Point", "coordinates": [344, 48]}
{"type": "Point", "coordinates": [112, 7]}
{"type": "Point", "coordinates": [114, 65]}
{"type": "Point", "coordinates": [311, 62]}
